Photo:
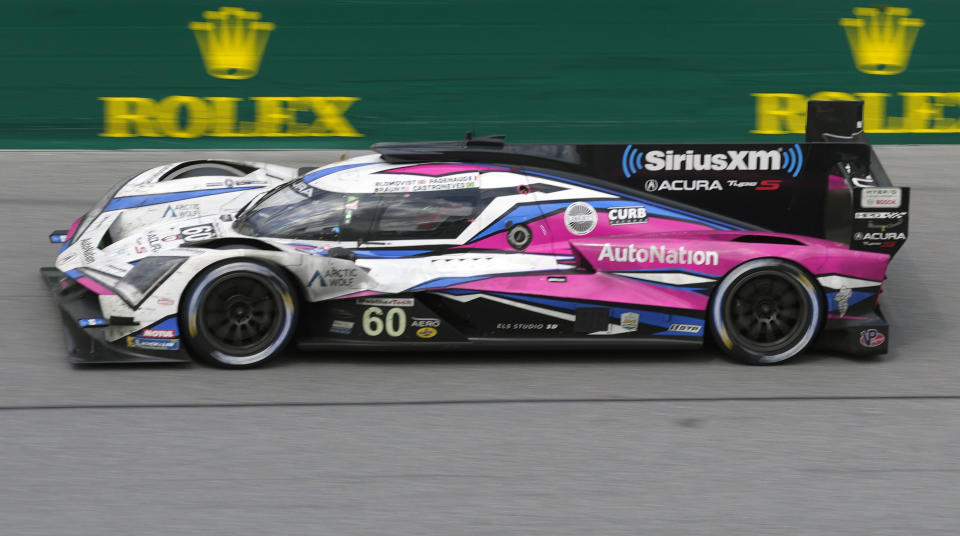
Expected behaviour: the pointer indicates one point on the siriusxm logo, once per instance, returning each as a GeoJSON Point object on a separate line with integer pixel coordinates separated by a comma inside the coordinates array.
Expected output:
{"type": "Point", "coordinates": [788, 159]}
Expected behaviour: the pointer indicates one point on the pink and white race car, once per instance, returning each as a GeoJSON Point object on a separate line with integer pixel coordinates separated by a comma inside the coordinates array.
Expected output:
{"type": "Point", "coordinates": [766, 248]}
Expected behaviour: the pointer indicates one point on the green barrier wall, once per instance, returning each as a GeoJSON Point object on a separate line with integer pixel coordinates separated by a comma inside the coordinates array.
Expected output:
{"type": "Point", "coordinates": [346, 74]}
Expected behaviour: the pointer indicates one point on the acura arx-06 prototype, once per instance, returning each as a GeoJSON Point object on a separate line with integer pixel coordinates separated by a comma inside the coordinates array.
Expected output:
{"type": "Point", "coordinates": [766, 248]}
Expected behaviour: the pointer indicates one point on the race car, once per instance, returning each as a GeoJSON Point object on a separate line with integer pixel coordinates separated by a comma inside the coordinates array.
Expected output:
{"type": "Point", "coordinates": [768, 249]}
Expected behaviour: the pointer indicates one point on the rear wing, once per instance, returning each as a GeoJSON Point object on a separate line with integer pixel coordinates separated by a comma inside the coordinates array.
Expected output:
{"type": "Point", "coordinates": [830, 186]}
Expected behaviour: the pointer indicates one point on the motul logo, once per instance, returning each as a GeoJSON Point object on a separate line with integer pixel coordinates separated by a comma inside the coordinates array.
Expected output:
{"type": "Point", "coordinates": [159, 333]}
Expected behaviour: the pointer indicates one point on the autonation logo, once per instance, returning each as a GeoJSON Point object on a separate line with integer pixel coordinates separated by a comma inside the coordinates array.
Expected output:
{"type": "Point", "coordinates": [788, 159]}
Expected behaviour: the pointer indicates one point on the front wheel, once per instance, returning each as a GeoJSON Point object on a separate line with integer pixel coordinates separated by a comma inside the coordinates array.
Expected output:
{"type": "Point", "coordinates": [765, 311]}
{"type": "Point", "coordinates": [239, 314]}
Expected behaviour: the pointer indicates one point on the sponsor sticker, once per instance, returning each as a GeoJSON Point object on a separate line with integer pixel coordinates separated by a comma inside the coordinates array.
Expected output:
{"type": "Point", "coordinates": [842, 297]}
{"type": "Point", "coordinates": [386, 302]}
{"type": "Point", "coordinates": [870, 338]}
{"type": "Point", "coordinates": [658, 254]}
{"type": "Point", "coordinates": [198, 232]}
{"type": "Point", "coordinates": [86, 246]}
{"type": "Point", "coordinates": [335, 277]}
{"type": "Point", "coordinates": [159, 333]}
{"type": "Point", "coordinates": [424, 322]}
{"type": "Point", "coordinates": [525, 326]}
{"type": "Point", "coordinates": [880, 197]}
{"type": "Point", "coordinates": [682, 185]}
{"type": "Point", "coordinates": [147, 343]}
{"type": "Point", "coordinates": [343, 327]}
{"type": "Point", "coordinates": [580, 218]}
{"type": "Point", "coordinates": [428, 184]}
{"type": "Point", "coordinates": [878, 215]}
{"type": "Point", "coordinates": [182, 210]}
{"type": "Point", "coordinates": [860, 237]}
{"type": "Point", "coordinates": [627, 215]}
{"type": "Point", "coordinates": [426, 333]}
{"type": "Point", "coordinates": [685, 328]}
{"type": "Point", "coordinates": [629, 321]}
{"type": "Point", "coordinates": [165, 302]}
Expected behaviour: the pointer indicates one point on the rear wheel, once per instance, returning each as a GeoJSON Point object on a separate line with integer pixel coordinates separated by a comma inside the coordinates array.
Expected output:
{"type": "Point", "coordinates": [240, 314]}
{"type": "Point", "coordinates": [765, 311]}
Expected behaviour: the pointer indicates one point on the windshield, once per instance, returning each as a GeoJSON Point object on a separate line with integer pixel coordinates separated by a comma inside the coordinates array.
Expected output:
{"type": "Point", "coordinates": [97, 209]}
{"type": "Point", "coordinates": [302, 212]}
{"type": "Point", "coordinates": [295, 211]}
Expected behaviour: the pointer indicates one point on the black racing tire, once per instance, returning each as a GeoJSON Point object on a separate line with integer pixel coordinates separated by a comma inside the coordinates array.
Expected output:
{"type": "Point", "coordinates": [239, 314]}
{"type": "Point", "coordinates": [766, 311]}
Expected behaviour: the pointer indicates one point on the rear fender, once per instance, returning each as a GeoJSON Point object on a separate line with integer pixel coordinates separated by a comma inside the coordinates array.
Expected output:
{"type": "Point", "coordinates": [710, 255]}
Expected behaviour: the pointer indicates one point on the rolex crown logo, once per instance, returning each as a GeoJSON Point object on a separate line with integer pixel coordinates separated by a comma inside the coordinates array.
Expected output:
{"type": "Point", "coordinates": [881, 39]}
{"type": "Point", "coordinates": [232, 41]}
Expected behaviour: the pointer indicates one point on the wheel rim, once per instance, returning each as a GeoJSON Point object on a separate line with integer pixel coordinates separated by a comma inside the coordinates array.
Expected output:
{"type": "Point", "coordinates": [767, 312]}
{"type": "Point", "coordinates": [241, 314]}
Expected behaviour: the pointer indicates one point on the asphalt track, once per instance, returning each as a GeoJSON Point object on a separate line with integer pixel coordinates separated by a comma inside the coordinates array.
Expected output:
{"type": "Point", "coordinates": [525, 443]}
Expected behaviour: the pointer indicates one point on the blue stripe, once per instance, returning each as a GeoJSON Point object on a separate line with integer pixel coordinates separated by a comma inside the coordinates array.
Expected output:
{"type": "Point", "coordinates": [134, 201]}
{"type": "Point", "coordinates": [647, 317]}
{"type": "Point", "coordinates": [167, 323]}
{"type": "Point", "coordinates": [662, 285]}
{"type": "Point", "coordinates": [388, 253]}
{"type": "Point", "coordinates": [664, 209]}
{"type": "Point", "coordinates": [671, 271]}
{"type": "Point", "coordinates": [447, 281]}
{"type": "Point", "coordinates": [314, 175]}
{"type": "Point", "coordinates": [458, 291]}
{"type": "Point", "coordinates": [520, 214]}
{"type": "Point", "coordinates": [525, 213]}
{"type": "Point", "coordinates": [681, 333]}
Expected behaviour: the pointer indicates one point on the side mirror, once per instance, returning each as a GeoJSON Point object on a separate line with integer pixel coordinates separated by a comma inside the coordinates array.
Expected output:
{"type": "Point", "coordinates": [342, 253]}
{"type": "Point", "coordinates": [58, 237]}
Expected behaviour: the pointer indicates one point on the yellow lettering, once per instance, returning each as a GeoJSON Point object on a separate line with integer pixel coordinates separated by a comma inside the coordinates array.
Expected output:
{"type": "Point", "coordinates": [127, 117]}
{"type": "Point", "coordinates": [780, 113]}
{"type": "Point", "coordinates": [183, 116]}
{"type": "Point", "coordinates": [330, 120]}
{"type": "Point", "coordinates": [271, 116]}
{"type": "Point", "coordinates": [874, 111]}
{"type": "Point", "coordinates": [195, 123]}
{"type": "Point", "coordinates": [923, 112]}
{"type": "Point", "coordinates": [294, 128]}
{"type": "Point", "coordinates": [224, 116]}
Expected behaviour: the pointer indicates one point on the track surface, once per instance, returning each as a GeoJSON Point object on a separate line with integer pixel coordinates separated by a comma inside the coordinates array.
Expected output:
{"type": "Point", "coordinates": [552, 444]}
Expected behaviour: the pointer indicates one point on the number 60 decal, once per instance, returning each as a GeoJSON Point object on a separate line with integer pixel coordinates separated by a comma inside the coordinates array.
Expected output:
{"type": "Point", "coordinates": [375, 322]}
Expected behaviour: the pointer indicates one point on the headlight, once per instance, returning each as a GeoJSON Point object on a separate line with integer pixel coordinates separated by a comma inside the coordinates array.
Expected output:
{"type": "Point", "coordinates": [145, 277]}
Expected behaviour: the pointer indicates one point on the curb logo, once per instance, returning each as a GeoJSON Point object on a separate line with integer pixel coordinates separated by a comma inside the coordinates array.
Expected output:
{"type": "Point", "coordinates": [231, 42]}
{"type": "Point", "coordinates": [881, 39]}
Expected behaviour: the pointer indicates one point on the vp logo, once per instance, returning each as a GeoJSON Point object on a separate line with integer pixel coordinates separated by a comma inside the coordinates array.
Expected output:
{"type": "Point", "coordinates": [871, 337]}
{"type": "Point", "coordinates": [631, 161]}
